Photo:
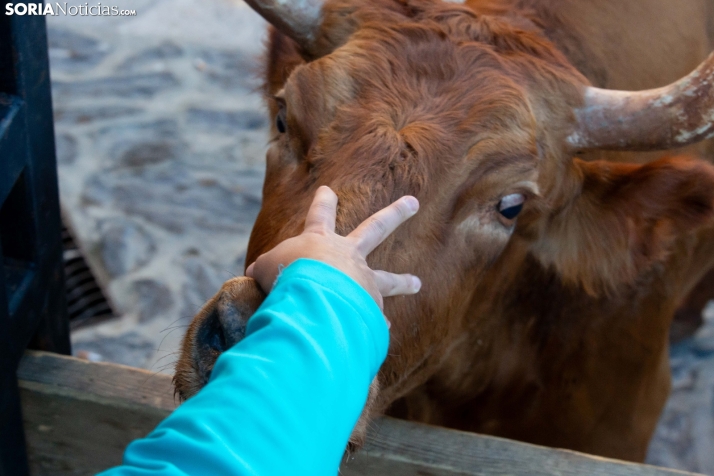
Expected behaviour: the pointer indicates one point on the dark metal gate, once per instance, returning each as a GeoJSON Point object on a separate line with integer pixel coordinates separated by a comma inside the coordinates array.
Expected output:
{"type": "Point", "coordinates": [32, 301]}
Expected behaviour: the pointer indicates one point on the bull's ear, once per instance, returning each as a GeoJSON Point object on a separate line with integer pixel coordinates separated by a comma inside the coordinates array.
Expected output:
{"type": "Point", "coordinates": [625, 218]}
{"type": "Point", "coordinates": [282, 57]}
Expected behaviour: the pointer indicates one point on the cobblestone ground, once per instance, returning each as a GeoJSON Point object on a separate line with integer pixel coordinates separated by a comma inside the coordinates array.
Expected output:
{"type": "Point", "coordinates": [161, 141]}
{"type": "Point", "coordinates": [685, 436]}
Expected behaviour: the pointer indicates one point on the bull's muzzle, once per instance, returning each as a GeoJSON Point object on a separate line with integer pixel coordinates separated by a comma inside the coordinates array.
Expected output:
{"type": "Point", "coordinates": [219, 325]}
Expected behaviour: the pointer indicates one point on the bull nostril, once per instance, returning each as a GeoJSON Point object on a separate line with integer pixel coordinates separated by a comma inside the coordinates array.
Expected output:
{"type": "Point", "coordinates": [212, 335]}
{"type": "Point", "coordinates": [233, 319]}
{"type": "Point", "coordinates": [217, 341]}
{"type": "Point", "coordinates": [218, 327]}
{"type": "Point", "coordinates": [223, 328]}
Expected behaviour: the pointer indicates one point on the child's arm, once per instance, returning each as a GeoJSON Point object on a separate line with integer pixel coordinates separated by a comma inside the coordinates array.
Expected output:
{"type": "Point", "coordinates": [285, 399]}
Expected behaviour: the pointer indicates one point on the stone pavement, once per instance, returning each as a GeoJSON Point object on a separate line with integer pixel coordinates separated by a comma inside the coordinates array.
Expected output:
{"type": "Point", "coordinates": [161, 139]}
{"type": "Point", "coordinates": [684, 438]}
{"type": "Point", "coordinates": [161, 142]}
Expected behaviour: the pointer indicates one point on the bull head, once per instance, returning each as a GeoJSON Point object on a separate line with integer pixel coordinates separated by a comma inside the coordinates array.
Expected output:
{"type": "Point", "coordinates": [480, 118]}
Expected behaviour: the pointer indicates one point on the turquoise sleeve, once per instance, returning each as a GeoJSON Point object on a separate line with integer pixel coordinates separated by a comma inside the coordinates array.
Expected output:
{"type": "Point", "coordinates": [285, 399]}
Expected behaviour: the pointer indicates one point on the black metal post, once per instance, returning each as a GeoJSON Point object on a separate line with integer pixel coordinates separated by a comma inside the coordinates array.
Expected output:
{"type": "Point", "coordinates": [32, 302]}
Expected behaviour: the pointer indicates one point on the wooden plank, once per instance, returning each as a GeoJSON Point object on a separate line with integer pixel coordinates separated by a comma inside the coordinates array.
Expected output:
{"type": "Point", "coordinates": [400, 448]}
{"type": "Point", "coordinates": [118, 384]}
{"type": "Point", "coordinates": [67, 435]}
{"type": "Point", "coordinates": [79, 416]}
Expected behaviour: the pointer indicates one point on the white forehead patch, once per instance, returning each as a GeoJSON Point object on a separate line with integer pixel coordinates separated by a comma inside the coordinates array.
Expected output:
{"type": "Point", "coordinates": [455, 1]}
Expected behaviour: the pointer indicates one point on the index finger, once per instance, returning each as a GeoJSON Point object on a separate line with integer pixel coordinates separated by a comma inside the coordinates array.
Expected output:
{"type": "Point", "coordinates": [323, 211]}
{"type": "Point", "coordinates": [375, 229]}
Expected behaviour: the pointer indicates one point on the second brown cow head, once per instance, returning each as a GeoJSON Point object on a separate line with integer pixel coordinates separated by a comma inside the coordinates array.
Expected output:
{"type": "Point", "coordinates": [480, 118]}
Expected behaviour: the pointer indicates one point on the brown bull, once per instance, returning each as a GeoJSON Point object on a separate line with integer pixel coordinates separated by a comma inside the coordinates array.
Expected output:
{"type": "Point", "coordinates": [551, 269]}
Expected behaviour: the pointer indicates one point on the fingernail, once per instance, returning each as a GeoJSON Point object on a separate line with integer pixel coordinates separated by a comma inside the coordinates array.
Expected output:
{"type": "Point", "coordinates": [416, 283]}
{"type": "Point", "coordinates": [412, 203]}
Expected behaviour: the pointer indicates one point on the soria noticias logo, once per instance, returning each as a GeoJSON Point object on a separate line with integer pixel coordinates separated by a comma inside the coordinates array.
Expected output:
{"type": "Point", "coordinates": [54, 9]}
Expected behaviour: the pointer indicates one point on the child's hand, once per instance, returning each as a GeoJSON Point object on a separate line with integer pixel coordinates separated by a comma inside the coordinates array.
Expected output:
{"type": "Point", "coordinates": [320, 242]}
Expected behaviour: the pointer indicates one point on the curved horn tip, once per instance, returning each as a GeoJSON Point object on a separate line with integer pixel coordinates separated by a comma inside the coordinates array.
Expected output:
{"type": "Point", "coordinates": [298, 19]}
{"type": "Point", "coordinates": [676, 115]}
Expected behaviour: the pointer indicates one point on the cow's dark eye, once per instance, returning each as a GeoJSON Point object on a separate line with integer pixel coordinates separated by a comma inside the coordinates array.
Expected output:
{"type": "Point", "coordinates": [511, 205]}
{"type": "Point", "coordinates": [280, 122]}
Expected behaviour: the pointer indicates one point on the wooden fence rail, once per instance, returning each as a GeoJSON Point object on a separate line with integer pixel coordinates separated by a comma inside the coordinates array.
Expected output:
{"type": "Point", "coordinates": [79, 416]}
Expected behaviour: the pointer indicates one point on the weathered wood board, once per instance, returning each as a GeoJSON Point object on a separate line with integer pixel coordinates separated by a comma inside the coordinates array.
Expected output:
{"type": "Point", "coordinates": [79, 416]}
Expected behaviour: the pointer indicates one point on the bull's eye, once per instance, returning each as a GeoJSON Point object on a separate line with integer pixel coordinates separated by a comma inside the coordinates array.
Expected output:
{"type": "Point", "coordinates": [280, 122]}
{"type": "Point", "coordinates": [511, 205]}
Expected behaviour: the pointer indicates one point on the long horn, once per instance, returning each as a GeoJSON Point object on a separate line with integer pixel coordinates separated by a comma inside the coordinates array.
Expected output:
{"type": "Point", "coordinates": [299, 19]}
{"type": "Point", "coordinates": [664, 118]}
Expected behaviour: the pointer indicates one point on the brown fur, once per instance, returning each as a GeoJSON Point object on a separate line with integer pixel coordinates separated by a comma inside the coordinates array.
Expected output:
{"type": "Point", "coordinates": [551, 328]}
